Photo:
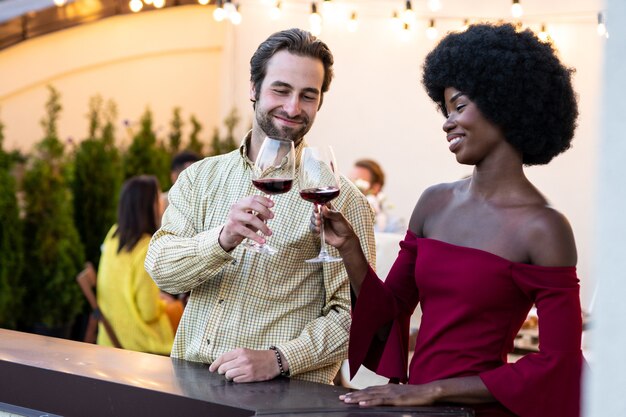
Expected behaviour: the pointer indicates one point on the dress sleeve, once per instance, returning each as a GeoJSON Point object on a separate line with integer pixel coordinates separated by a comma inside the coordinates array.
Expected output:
{"type": "Point", "coordinates": [379, 305]}
{"type": "Point", "coordinates": [546, 383]}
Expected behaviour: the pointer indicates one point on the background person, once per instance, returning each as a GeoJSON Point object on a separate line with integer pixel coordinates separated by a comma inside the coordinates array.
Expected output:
{"type": "Point", "coordinates": [180, 161]}
{"type": "Point", "coordinates": [256, 316]}
{"type": "Point", "coordinates": [480, 251]}
{"type": "Point", "coordinates": [369, 177]}
{"type": "Point", "coordinates": [129, 297]}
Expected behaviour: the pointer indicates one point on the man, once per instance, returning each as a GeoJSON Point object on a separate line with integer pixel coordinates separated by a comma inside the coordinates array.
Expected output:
{"type": "Point", "coordinates": [180, 161]}
{"type": "Point", "coordinates": [256, 316]}
{"type": "Point", "coordinates": [369, 177]}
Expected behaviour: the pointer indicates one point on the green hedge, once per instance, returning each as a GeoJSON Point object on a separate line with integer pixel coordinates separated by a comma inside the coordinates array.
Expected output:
{"type": "Point", "coordinates": [69, 203]}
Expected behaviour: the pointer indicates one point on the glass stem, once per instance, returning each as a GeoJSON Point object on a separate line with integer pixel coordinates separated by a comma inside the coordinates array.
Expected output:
{"type": "Point", "coordinates": [323, 251]}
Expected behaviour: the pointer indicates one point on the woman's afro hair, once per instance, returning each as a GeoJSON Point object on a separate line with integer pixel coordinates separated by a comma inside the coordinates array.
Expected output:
{"type": "Point", "coordinates": [516, 81]}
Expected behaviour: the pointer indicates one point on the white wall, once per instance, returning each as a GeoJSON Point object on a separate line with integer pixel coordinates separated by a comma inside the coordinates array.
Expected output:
{"type": "Point", "coordinates": [607, 382]}
{"type": "Point", "coordinates": [375, 108]}
{"type": "Point", "coordinates": [159, 59]}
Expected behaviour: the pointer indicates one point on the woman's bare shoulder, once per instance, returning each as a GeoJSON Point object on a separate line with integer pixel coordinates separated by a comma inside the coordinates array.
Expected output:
{"type": "Point", "coordinates": [549, 237]}
{"type": "Point", "coordinates": [433, 200]}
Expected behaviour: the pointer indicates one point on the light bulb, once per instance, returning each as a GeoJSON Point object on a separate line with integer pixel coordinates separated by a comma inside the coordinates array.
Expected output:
{"type": "Point", "coordinates": [276, 11]}
{"type": "Point", "coordinates": [158, 3]}
{"type": "Point", "coordinates": [219, 14]}
{"type": "Point", "coordinates": [203, 2]}
{"type": "Point", "coordinates": [408, 16]}
{"type": "Point", "coordinates": [229, 8]}
{"type": "Point", "coordinates": [235, 17]}
{"type": "Point", "coordinates": [431, 31]}
{"type": "Point", "coordinates": [543, 33]}
{"type": "Point", "coordinates": [405, 32]}
{"type": "Point", "coordinates": [601, 28]}
{"type": "Point", "coordinates": [315, 19]}
{"type": "Point", "coordinates": [516, 9]}
{"type": "Point", "coordinates": [60, 3]}
{"type": "Point", "coordinates": [466, 24]}
{"type": "Point", "coordinates": [135, 5]}
{"type": "Point", "coordinates": [434, 5]}
{"type": "Point", "coordinates": [353, 23]}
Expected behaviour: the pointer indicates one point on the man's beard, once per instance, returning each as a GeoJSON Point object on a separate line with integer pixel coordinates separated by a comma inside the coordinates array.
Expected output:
{"type": "Point", "coordinates": [266, 123]}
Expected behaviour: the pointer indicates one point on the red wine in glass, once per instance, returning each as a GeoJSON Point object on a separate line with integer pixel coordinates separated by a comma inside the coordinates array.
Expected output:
{"type": "Point", "coordinates": [319, 195]}
{"type": "Point", "coordinates": [273, 173]}
{"type": "Point", "coordinates": [273, 186]}
{"type": "Point", "coordinates": [319, 184]}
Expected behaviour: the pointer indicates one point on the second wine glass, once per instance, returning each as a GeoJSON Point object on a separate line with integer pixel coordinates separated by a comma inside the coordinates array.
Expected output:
{"type": "Point", "coordinates": [272, 173]}
{"type": "Point", "coordinates": [319, 184]}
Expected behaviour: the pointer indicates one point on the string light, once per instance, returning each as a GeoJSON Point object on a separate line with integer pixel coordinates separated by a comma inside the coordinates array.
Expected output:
{"type": "Point", "coordinates": [466, 24]}
{"type": "Point", "coordinates": [315, 20]}
{"type": "Point", "coordinates": [135, 5]}
{"type": "Point", "coordinates": [516, 9]}
{"type": "Point", "coordinates": [235, 16]}
{"type": "Point", "coordinates": [395, 20]}
{"type": "Point", "coordinates": [405, 33]}
{"type": "Point", "coordinates": [229, 8]}
{"type": "Point", "coordinates": [60, 3]}
{"type": "Point", "coordinates": [543, 33]}
{"type": "Point", "coordinates": [431, 31]}
{"type": "Point", "coordinates": [276, 11]}
{"type": "Point", "coordinates": [353, 23]}
{"type": "Point", "coordinates": [434, 5]}
{"type": "Point", "coordinates": [601, 28]}
{"type": "Point", "coordinates": [219, 14]}
{"type": "Point", "coordinates": [402, 20]}
{"type": "Point", "coordinates": [409, 15]}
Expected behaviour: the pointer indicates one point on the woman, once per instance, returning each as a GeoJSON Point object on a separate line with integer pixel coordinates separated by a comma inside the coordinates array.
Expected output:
{"type": "Point", "coordinates": [126, 293]}
{"type": "Point", "coordinates": [479, 252]}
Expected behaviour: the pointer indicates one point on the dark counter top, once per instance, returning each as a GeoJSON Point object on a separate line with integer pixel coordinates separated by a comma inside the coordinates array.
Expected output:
{"type": "Point", "coordinates": [71, 378]}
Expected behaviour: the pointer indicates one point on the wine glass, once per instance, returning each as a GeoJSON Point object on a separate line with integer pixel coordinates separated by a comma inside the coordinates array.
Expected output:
{"type": "Point", "coordinates": [319, 184]}
{"type": "Point", "coordinates": [272, 173]}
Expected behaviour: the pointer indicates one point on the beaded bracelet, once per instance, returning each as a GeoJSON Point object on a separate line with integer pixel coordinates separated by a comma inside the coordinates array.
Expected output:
{"type": "Point", "coordinates": [280, 361]}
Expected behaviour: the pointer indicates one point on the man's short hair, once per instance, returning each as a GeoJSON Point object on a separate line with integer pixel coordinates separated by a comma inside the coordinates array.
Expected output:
{"type": "Point", "coordinates": [183, 159]}
{"type": "Point", "coordinates": [378, 176]}
{"type": "Point", "coordinates": [296, 41]}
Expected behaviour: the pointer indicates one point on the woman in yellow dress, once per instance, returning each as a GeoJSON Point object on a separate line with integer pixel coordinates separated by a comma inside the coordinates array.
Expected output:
{"type": "Point", "coordinates": [126, 293]}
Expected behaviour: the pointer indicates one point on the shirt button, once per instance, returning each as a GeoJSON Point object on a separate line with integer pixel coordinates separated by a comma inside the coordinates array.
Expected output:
{"type": "Point", "coordinates": [208, 341]}
{"type": "Point", "coordinates": [233, 262]}
{"type": "Point", "coordinates": [220, 301]}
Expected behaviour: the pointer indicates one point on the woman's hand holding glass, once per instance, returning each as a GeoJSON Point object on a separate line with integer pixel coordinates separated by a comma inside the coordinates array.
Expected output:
{"type": "Point", "coordinates": [319, 184]}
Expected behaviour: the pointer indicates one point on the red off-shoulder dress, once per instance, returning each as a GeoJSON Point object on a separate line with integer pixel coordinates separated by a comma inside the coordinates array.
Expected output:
{"type": "Point", "coordinates": [473, 304]}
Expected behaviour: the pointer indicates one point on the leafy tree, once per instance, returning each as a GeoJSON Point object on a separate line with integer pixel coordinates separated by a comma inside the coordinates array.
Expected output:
{"type": "Point", "coordinates": [176, 134]}
{"type": "Point", "coordinates": [230, 122]}
{"type": "Point", "coordinates": [146, 156]}
{"type": "Point", "coordinates": [194, 143]}
{"type": "Point", "coordinates": [11, 244]}
{"type": "Point", "coordinates": [55, 252]}
{"type": "Point", "coordinates": [220, 146]}
{"type": "Point", "coordinates": [97, 179]}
